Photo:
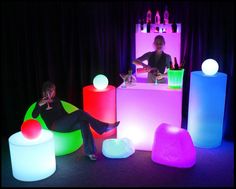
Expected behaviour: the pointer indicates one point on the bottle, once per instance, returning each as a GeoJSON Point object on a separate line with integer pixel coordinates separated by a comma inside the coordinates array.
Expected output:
{"type": "Point", "coordinates": [141, 24]}
{"type": "Point", "coordinates": [166, 16]}
{"type": "Point", "coordinates": [182, 64]}
{"type": "Point", "coordinates": [149, 16]}
{"type": "Point", "coordinates": [171, 65]}
{"type": "Point", "coordinates": [157, 18]}
{"type": "Point", "coordinates": [174, 27]}
{"type": "Point", "coordinates": [148, 26]}
{"type": "Point", "coordinates": [176, 66]}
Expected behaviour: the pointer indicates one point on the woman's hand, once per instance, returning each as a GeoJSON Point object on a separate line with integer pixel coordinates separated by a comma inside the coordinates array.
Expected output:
{"type": "Point", "coordinates": [43, 101]}
{"type": "Point", "coordinates": [159, 76]}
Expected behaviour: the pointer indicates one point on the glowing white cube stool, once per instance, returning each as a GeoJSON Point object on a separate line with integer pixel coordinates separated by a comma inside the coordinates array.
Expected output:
{"type": "Point", "coordinates": [173, 147]}
{"type": "Point", "coordinates": [32, 160]}
{"type": "Point", "coordinates": [117, 148]}
{"type": "Point", "coordinates": [206, 108]}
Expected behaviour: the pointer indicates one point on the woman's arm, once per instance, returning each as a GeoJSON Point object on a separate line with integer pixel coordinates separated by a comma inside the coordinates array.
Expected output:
{"type": "Point", "coordinates": [36, 111]}
{"type": "Point", "coordinates": [139, 61]}
{"type": "Point", "coordinates": [38, 107]}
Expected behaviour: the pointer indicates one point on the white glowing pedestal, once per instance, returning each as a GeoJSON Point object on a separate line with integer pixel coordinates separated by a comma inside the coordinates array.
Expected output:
{"type": "Point", "coordinates": [32, 160]}
{"type": "Point", "coordinates": [141, 108]}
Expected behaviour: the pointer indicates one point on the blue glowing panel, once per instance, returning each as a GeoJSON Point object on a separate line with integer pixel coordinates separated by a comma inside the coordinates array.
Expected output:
{"type": "Point", "coordinates": [206, 108]}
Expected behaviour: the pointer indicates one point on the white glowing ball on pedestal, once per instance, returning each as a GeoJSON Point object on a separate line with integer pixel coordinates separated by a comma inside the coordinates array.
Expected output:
{"type": "Point", "coordinates": [100, 82]}
{"type": "Point", "coordinates": [210, 67]}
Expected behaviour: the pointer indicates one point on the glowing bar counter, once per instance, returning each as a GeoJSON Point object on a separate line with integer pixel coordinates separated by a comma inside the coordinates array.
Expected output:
{"type": "Point", "coordinates": [206, 108]}
{"type": "Point", "coordinates": [144, 106]}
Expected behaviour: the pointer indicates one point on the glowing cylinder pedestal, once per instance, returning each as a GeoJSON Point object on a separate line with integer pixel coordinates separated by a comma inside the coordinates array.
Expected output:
{"type": "Point", "coordinates": [206, 108]}
{"type": "Point", "coordinates": [32, 160]}
{"type": "Point", "coordinates": [101, 104]}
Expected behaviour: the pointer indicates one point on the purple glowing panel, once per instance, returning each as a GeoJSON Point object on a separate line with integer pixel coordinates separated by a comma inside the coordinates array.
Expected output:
{"type": "Point", "coordinates": [140, 108]}
{"type": "Point", "coordinates": [173, 147]}
{"type": "Point", "coordinates": [144, 43]}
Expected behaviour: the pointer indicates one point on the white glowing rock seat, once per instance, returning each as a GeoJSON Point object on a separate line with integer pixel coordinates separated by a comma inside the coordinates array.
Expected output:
{"type": "Point", "coordinates": [32, 160]}
{"type": "Point", "coordinates": [173, 147]}
{"type": "Point", "coordinates": [117, 148]}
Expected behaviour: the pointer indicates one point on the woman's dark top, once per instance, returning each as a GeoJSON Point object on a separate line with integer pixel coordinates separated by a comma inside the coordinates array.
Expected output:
{"type": "Point", "coordinates": [49, 116]}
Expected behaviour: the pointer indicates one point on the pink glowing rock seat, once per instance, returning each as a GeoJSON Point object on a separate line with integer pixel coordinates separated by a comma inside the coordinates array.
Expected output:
{"type": "Point", "coordinates": [173, 146]}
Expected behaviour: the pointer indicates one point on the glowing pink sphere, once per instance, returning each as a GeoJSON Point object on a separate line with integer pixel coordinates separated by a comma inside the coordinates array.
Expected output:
{"type": "Point", "coordinates": [31, 129]}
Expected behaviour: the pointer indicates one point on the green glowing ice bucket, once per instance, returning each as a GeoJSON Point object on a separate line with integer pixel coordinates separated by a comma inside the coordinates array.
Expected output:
{"type": "Point", "coordinates": [175, 78]}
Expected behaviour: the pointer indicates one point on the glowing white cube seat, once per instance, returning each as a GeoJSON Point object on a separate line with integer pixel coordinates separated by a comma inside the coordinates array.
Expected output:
{"type": "Point", "coordinates": [32, 160]}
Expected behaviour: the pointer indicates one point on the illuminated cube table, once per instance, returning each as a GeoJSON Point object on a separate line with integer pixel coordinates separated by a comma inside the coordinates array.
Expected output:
{"type": "Point", "coordinates": [144, 106]}
{"type": "Point", "coordinates": [32, 160]}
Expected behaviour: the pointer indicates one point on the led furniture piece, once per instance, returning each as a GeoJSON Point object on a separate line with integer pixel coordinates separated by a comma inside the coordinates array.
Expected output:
{"type": "Point", "coordinates": [144, 43]}
{"type": "Point", "coordinates": [117, 148]}
{"type": "Point", "coordinates": [173, 146]}
{"type": "Point", "coordinates": [140, 108]}
{"type": "Point", "coordinates": [175, 78]}
{"type": "Point", "coordinates": [206, 108]}
{"type": "Point", "coordinates": [32, 160]}
{"type": "Point", "coordinates": [101, 104]}
{"type": "Point", "coordinates": [65, 143]}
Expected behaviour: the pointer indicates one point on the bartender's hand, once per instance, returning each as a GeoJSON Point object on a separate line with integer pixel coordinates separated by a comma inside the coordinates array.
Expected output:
{"type": "Point", "coordinates": [147, 68]}
{"type": "Point", "coordinates": [159, 76]}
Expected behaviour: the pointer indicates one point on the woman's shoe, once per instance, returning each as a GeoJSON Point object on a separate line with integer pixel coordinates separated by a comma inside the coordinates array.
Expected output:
{"type": "Point", "coordinates": [92, 157]}
{"type": "Point", "coordinates": [113, 126]}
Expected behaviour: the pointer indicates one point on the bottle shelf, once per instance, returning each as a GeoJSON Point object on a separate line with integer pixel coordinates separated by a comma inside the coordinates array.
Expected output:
{"type": "Point", "coordinates": [158, 28]}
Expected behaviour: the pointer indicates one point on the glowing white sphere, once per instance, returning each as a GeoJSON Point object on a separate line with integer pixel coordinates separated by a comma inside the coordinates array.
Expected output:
{"type": "Point", "coordinates": [100, 82]}
{"type": "Point", "coordinates": [210, 67]}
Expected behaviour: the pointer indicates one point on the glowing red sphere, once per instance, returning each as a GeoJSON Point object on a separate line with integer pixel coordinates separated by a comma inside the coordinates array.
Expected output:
{"type": "Point", "coordinates": [31, 129]}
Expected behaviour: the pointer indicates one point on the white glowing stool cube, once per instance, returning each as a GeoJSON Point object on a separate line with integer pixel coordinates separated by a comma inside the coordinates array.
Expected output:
{"type": "Point", "coordinates": [173, 147]}
{"type": "Point", "coordinates": [32, 160]}
{"type": "Point", "coordinates": [117, 148]}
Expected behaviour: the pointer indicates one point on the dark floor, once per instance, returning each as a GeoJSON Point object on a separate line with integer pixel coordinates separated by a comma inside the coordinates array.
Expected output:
{"type": "Point", "coordinates": [214, 168]}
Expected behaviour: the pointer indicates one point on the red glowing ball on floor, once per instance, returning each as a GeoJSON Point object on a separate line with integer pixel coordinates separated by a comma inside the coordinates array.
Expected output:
{"type": "Point", "coordinates": [31, 129]}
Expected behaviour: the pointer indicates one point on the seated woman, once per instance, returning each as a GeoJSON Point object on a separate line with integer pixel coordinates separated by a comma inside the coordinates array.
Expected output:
{"type": "Point", "coordinates": [158, 61]}
{"type": "Point", "coordinates": [57, 119]}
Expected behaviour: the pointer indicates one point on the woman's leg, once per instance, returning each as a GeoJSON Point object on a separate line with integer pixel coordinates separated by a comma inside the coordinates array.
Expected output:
{"type": "Point", "coordinates": [99, 126]}
{"type": "Point", "coordinates": [70, 123]}
{"type": "Point", "coordinates": [89, 146]}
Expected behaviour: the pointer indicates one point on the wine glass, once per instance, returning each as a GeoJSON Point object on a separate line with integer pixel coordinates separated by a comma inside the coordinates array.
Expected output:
{"type": "Point", "coordinates": [48, 99]}
{"type": "Point", "coordinates": [154, 74]}
{"type": "Point", "coordinates": [123, 76]}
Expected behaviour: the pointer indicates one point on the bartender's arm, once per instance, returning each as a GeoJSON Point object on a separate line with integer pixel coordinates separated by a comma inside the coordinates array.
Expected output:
{"type": "Point", "coordinates": [139, 61]}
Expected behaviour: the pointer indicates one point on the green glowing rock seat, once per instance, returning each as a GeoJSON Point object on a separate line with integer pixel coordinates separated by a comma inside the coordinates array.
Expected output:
{"type": "Point", "coordinates": [65, 143]}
